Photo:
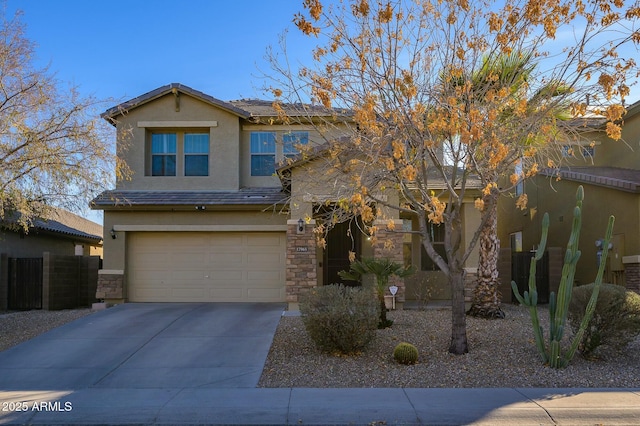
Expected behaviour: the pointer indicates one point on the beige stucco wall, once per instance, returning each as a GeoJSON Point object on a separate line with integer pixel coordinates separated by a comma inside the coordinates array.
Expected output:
{"type": "Point", "coordinates": [245, 150]}
{"type": "Point", "coordinates": [624, 153]}
{"type": "Point", "coordinates": [35, 243]}
{"type": "Point", "coordinates": [194, 115]}
{"type": "Point", "coordinates": [181, 220]}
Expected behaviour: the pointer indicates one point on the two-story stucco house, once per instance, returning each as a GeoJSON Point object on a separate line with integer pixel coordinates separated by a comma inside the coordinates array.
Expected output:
{"type": "Point", "coordinates": [210, 213]}
{"type": "Point", "coordinates": [609, 172]}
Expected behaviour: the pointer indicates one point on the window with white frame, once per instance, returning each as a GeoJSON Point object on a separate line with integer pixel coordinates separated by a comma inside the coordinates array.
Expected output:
{"type": "Point", "coordinates": [586, 151]}
{"type": "Point", "coordinates": [270, 148]}
{"type": "Point", "coordinates": [196, 154]}
{"type": "Point", "coordinates": [520, 184]}
{"type": "Point", "coordinates": [291, 141]}
{"type": "Point", "coordinates": [263, 153]}
{"type": "Point", "coordinates": [179, 153]}
{"type": "Point", "coordinates": [163, 154]}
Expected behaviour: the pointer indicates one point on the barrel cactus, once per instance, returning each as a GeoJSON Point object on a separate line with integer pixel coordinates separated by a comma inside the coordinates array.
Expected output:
{"type": "Point", "coordinates": [405, 353]}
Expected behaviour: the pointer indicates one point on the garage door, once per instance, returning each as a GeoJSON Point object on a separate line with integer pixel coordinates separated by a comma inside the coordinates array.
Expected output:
{"type": "Point", "coordinates": [206, 266]}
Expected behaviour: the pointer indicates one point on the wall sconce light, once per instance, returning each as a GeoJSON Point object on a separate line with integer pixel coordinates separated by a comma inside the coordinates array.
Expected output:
{"type": "Point", "coordinates": [113, 233]}
{"type": "Point", "coordinates": [300, 226]}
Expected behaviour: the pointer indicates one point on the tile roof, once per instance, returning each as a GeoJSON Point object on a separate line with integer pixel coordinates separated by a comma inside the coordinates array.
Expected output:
{"type": "Point", "coordinates": [627, 180]}
{"type": "Point", "coordinates": [169, 88]}
{"type": "Point", "coordinates": [61, 221]}
{"type": "Point", "coordinates": [242, 197]}
{"type": "Point", "coordinates": [244, 108]}
{"type": "Point", "coordinates": [264, 108]}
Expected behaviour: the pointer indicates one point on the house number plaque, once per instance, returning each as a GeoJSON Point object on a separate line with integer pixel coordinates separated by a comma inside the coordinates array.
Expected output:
{"type": "Point", "coordinates": [302, 249]}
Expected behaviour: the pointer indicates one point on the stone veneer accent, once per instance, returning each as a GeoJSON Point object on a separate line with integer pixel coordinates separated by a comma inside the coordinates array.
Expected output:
{"type": "Point", "coordinates": [301, 262]}
{"type": "Point", "coordinates": [388, 244]}
{"type": "Point", "coordinates": [632, 272]}
{"type": "Point", "coordinates": [110, 285]}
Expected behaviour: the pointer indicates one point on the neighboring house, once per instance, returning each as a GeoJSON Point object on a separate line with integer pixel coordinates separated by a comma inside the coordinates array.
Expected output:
{"type": "Point", "coordinates": [54, 265]}
{"type": "Point", "coordinates": [609, 171]}
{"type": "Point", "coordinates": [61, 233]}
{"type": "Point", "coordinates": [208, 215]}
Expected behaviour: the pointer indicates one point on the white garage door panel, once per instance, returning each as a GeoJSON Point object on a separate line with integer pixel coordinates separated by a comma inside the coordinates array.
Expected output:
{"type": "Point", "coordinates": [205, 266]}
{"type": "Point", "coordinates": [259, 293]}
{"type": "Point", "coordinates": [185, 294]}
{"type": "Point", "coordinates": [155, 293]}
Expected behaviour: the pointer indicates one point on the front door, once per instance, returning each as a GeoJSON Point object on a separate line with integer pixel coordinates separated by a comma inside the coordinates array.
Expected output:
{"type": "Point", "coordinates": [341, 239]}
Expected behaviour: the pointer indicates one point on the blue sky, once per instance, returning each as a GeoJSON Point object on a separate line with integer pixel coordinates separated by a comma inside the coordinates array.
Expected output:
{"type": "Point", "coordinates": [121, 49]}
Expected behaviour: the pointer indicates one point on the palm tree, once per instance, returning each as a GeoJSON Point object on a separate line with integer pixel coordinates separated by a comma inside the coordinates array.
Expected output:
{"type": "Point", "coordinates": [382, 269]}
{"type": "Point", "coordinates": [511, 72]}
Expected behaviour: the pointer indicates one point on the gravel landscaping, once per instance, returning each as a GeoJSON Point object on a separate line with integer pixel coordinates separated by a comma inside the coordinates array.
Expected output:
{"type": "Point", "coordinates": [17, 327]}
{"type": "Point", "coordinates": [502, 354]}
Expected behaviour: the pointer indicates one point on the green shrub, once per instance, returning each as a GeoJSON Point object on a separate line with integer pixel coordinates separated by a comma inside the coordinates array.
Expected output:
{"type": "Point", "coordinates": [340, 319]}
{"type": "Point", "coordinates": [615, 322]}
{"type": "Point", "coordinates": [405, 353]}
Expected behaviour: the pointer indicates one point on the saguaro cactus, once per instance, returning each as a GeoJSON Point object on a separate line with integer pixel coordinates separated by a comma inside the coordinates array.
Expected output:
{"type": "Point", "coordinates": [559, 307]}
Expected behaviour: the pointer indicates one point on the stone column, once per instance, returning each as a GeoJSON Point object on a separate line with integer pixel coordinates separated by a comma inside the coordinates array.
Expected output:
{"type": "Point", "coordinates": [388, 244]}
{"type": "Point", "coordinates": [110, 287]}
{"type": "Point", "coordinates": [301, 274]}
{"type": "Point", "coordinates": [632, 272]}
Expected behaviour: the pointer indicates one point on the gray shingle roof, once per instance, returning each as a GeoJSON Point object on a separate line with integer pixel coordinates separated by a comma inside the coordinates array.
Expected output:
{"type": "Point", "coordinates": [242, 197]}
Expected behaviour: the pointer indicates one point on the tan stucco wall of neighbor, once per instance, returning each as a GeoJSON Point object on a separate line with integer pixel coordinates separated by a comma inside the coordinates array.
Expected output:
{"type": "Point", "coordinates": [35, 243]}
{"type": "Point", "coordinates": [558, 199]}
{"type": "Point", "coordinates": [193, 115]}
{"type": "Point", "coordinates": [623, 153]}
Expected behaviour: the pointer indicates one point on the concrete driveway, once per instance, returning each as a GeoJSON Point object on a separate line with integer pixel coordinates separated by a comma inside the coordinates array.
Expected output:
{"type": "Point", "coordinates": [148, 346]}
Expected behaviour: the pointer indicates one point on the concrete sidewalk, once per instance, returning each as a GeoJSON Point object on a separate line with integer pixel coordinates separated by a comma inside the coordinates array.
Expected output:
{"type": "Point", "coordinates": [504, 406]}
{"type": "Point", "coordinates": [200, 364]}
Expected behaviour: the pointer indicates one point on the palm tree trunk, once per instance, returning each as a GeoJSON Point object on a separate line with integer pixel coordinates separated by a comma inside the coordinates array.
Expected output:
{"type": "Point", "coordinates": [487, 300]}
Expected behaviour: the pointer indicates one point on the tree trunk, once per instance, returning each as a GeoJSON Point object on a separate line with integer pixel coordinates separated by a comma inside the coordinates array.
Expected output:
{"type": "Point", "coordinates": [459, 343]}
{"type": "Point", "coordinates": [486, 295]}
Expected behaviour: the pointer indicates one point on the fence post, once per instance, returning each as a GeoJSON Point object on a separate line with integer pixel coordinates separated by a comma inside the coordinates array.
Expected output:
{"type": "Point", "coordinates": [4, 281]}
{"type": "Point", "coordinates": [46, 281]}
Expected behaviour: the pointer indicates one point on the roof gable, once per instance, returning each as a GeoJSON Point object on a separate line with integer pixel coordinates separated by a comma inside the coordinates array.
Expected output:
{"type": "Point", "coordinates": [176, 89]}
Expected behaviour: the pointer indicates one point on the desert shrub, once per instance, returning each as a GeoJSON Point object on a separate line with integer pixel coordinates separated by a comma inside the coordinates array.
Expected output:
{"type": "Point", "coordinates": [405, 353]}
{"type": "Point", "coordinates": [340, 319]}
{"type": "Point", "coordinates": [615, 322]}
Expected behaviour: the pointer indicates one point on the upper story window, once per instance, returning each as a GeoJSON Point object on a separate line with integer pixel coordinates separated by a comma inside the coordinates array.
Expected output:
{"type": "Point", "coordinates": [291, 140]}
{"type": "Point", "coordinates": [263, 153]}
{"type": "Point", "coordinates": [196, 154]}
{"type": "Point", "coordinates": [586, 151]}
{"type": "Point", "coordinates": [269, 148]}
{"type": "Point", "coordinates": [179, 154]}
{"type": "Point", "coordinates": [163, 154]}
{"type": "Point", "coordinates": [520, 184]}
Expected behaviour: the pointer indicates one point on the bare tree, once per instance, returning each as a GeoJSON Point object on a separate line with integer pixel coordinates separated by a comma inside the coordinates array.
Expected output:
{"type": "Point", "coordinates": [54, 148]}
{"type": "Point", "coordinates": [423, 127]}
